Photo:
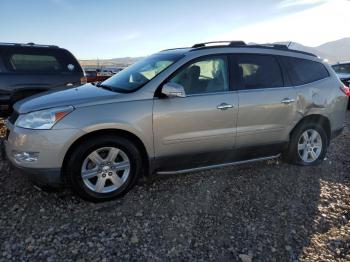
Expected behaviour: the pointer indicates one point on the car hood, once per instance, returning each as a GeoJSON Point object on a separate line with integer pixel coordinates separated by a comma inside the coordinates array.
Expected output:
{"type": "Point", "coordinates": [77, 97]}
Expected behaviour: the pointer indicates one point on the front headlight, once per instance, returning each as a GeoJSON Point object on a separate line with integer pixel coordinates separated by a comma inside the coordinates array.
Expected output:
{"type": "Point", "coordinates": [43, 119]}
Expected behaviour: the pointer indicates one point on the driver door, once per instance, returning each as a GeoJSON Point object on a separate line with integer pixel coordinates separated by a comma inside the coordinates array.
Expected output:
{"type": "Point", "coordinates": [200, 128]}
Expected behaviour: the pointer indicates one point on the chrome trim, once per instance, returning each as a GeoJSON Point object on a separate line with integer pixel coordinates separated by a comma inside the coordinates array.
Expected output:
{"type": "Point", "coordinates": [241, 90]}
{"type": "Point", "coordinates": [213, 93]}
{"type": "Point", "coordinates": [196, 169]}
{"type": "Point", "coordinates": [224, 106]}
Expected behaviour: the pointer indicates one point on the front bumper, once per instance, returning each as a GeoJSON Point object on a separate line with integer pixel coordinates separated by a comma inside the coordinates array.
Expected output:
{"type": "Point", "coordinates": [51, 146]}
{"type": "Point", "coordinates": [42, 176]}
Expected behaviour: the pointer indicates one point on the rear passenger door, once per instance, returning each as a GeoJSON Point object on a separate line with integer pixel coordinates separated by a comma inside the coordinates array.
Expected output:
{"type": "Point", "coordinates": [267, 107]}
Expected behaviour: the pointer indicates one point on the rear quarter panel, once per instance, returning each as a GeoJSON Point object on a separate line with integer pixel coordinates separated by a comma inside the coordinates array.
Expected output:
{"type": "Point", "coordinates": [322, 97]}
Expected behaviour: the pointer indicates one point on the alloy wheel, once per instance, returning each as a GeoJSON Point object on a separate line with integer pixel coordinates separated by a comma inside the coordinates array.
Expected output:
{"type": "Point", "coordinates": [105, 170]}
{"type": "Point", "coordinates": [310, 146]}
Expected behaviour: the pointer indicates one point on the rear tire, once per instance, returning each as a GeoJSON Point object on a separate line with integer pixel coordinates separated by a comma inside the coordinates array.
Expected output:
{"type": "Point", "coordinates": [104, 168]}
{"type": "Point", "coordinates": [308, 145]}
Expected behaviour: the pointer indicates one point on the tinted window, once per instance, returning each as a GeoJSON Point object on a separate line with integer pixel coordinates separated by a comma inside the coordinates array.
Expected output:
{"type": "Point", "coordinates": [204, 76]}
{"type": "Point", "coordinates": [302, 71]}
{"type": "Point", "coordinates": [259, 71]}
{"type": "Point", "coordinates": [40, 60]}
{"type": "Point", "coordinates": [342, 68]}
{"type": "Point", "coordinates": [34, 63]}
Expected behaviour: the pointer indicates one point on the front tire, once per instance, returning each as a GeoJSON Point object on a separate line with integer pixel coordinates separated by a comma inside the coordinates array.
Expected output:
{"type": "Point", "coordinates": [104, 168]}
{"type": "Point", "coordinates": [308, 145]}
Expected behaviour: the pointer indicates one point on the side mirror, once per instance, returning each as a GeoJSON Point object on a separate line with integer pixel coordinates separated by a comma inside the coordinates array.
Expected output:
{"type": "Point", "coordinates": [173, 90]}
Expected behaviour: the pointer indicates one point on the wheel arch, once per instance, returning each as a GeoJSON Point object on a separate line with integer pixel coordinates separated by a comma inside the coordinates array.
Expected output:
{"type": "Point", "coordinates": [315, 118]}
{"type": "Point", "coordinates": [114, 132]}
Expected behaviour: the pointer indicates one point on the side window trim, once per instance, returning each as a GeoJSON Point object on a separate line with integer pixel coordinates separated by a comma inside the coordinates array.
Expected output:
{"type": "Point", "coordinates": [194, 60]}
{"type": "Point", "coordinates": [287, 82]}
{"type": "Point", "coordinates": [235, 77]}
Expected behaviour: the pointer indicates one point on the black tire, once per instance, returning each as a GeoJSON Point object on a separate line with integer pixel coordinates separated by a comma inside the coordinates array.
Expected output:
{"type": "Point", "coordinates": [76, 159]}
{"type": "Point", "coordinates": [292, 154]}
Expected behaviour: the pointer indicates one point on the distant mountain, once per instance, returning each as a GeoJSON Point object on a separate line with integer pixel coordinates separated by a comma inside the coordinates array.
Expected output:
{"type": "Point", "coordinates": [339, 49]}
{"type": "Point", "coordinates": [116, 62]}
{"type": "Point", "coordinates": [300, 47]}
{"type": "Point", "coordinates": [125, 60]}
{"type": "Point", "coordinates": [334, 51]}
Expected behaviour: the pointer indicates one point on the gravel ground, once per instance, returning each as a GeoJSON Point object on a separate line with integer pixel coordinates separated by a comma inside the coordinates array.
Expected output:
{"type": "Point", "coordinates": [267, 211]}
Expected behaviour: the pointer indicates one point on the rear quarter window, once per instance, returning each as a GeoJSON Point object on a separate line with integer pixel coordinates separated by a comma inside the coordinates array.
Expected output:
{"type": "Point", "coordinates": [303, 71]}
{"type": "Point", "coordinates": [35, 63]}
{"type": "Point", "coordinates": [43, 61]}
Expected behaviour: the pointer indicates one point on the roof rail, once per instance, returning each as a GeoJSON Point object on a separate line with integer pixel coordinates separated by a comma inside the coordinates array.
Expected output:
{"type": "Point", "coordinates": [28, 44]}
{"type": "Point", "coordinates": [242, 44]}
{"type": "Point", "coordinates": [277, 46]}
{"type": "Point", "coordinates": [177, 48]}
{"type": "Point", "coordinates": [230, 43]}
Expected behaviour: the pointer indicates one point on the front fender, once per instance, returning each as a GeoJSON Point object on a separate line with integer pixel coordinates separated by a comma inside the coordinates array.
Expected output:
{"type": "Point", "coordinates": [134, 117]}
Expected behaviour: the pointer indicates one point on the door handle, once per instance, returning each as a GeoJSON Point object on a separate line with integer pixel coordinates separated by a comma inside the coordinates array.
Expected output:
{"type": "Point", "coordinates": [224, 106]}
{"type": "Point", "coordinates": [69, 84]}
{"type": "Point", "coordinates": [287, 101]}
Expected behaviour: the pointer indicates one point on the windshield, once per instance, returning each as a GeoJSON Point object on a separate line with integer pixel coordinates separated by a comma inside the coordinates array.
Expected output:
{"type": "Point", "coordinates": [342, 69]}
{"type": "Point", "coordinates": [140, 73]}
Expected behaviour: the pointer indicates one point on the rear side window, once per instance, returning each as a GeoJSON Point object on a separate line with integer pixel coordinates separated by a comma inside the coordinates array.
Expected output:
{"type": "Point", "coordinates": [34, 63]}
{"type": "Point", "coordinates": [259, 71]}
{"type": "Point", "coordinates": [302, 71]}
{"type": "Point", "coordinates": [40, 60]}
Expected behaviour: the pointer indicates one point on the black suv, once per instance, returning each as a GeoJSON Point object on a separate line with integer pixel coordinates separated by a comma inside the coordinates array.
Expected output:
{"type": "Point", "coordinates": [28, 69]}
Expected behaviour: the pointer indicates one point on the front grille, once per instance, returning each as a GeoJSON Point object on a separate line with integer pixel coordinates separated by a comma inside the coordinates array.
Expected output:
{"type": "Point", "coordinates": [12, 119]}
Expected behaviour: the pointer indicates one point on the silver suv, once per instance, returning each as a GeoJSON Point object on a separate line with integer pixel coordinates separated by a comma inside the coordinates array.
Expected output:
{"type": "Point", "coordinates": [177, 111]}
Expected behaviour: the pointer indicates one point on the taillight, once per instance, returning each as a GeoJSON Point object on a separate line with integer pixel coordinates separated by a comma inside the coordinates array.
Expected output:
{"type": "Point", "coordinates": [83, 80]}
{"type": "Point", "coordinates": [346, 90]}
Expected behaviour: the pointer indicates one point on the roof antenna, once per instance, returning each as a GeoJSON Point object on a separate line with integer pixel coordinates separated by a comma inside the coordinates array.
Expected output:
{"type": "Point", "coordinates": [289, 44]}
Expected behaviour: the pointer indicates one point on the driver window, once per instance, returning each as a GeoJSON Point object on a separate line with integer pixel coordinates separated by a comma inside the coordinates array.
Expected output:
{"type": "Point", "coordinates": [204, 76]}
